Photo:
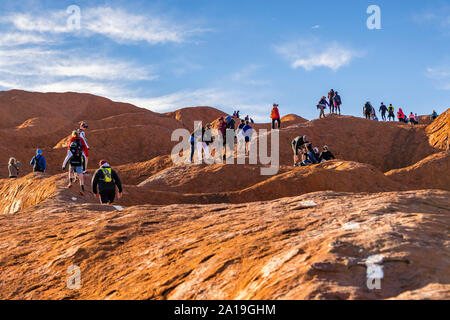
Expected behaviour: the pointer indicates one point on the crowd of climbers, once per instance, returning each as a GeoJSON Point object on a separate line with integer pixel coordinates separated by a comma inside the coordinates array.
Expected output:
{"type": "Point", "coordinates": [104, 181]}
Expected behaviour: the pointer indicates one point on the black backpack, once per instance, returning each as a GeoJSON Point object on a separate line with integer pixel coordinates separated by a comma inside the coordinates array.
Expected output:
{"type": "Point", "coordinates": [37, 167]}
{"type": "Point", "coordinates": [77, 154]}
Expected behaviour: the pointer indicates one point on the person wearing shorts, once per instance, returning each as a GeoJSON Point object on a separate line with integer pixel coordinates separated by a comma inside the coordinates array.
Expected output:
{"type": "Point", "coordinates": [104, 184]}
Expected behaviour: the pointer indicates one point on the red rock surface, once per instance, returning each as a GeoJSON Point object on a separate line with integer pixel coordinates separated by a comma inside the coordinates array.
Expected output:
{"type": "Point", "coordinates": [222, 231]}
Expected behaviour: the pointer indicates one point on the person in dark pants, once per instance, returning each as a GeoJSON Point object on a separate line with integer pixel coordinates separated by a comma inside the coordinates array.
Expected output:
{"type": "Point", "coordinates": [383, 110]}
{"type": "Point", "coordinates": [275, 116]}
{"type": "Point", "coordinates": [104, 184]}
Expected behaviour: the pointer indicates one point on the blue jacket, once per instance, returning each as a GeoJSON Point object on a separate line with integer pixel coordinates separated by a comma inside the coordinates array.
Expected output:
{"type": "Point", "coordinates": [40, 159]}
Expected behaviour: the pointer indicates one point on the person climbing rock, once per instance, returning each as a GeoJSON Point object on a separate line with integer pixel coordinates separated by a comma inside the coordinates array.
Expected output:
{"type": "Point", "coordinates": [331, 100]}
{"type": "Point", "coordinates": [104, 184]}
{"type": "Point", "coordinates": [222, 130]}
{"type": "Point", "coordinates": [316, 154]}
{"type": "Point", "coordinates": [75, 159]}
{"type": "Point", "coordinates": [337, 102]}
{"type": "Point", "coordinates": [275, 116]}
{"type": "Point", "coordinates": [231, 124]}
{"type": "Point", "coordinates": [82, 133]}
{"type": "Point", "coordinates": [311, 154]}
{"type": "Point", "coordinates": [247, 132]}
{"type": "Point", "coordinates": [434, 115]}
{"type": "Point", "coordinates": [38, 162]}
{"type": "Point", "coordinates": [412, 119]}
{"type": "Point", "coordinates": [391, 113]}
{"type": "Point", "coordinates": [13, 168]}
{"type": "Point", "coordinates": [297, 145]}
{"type": "Point", "coordinates": [326, 155]}
{"type": "Point", "coordinates": [367, 110]}
{"type": "Point", "coordinates": [76, 138]}
{"type": "Point", "coordinates": [322, 105]}
{"type": "Point", "coordinates": [383, 110]}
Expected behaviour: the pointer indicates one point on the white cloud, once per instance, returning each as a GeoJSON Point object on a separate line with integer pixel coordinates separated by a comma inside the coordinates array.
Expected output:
{"type": "Point", "coordinates": [440, 75]}
{"type": "Point", "coordinates": [18, 38]}
{"type": "Point", "coordinates": [438, 17]}
{"type": "Point", "coordinates": [317, 26]}
{"type": "Point", "coordinates": [314, 54]}
{"type": "Point", "coordinates": [114, 23]}
{"type": "Point", "coordinates": [247, 76]}
{"type": "Point", "coordinates": [213, 97]}
{"type": "Point", "coordinates": [54, 63]}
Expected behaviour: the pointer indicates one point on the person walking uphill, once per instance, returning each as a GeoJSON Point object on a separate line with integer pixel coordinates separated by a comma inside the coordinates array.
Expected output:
{"type": "Point", "coordinates": [322, 105]}
{"type": "Point", "coordinates": [38, 162]}
{"type": "Point", "coordinates": [82, 133]}
{"type": "Point", "coordinates": [104, 184]}
{"type": "Point", "coordinates": [75, 159]}
{"type": "Point", "coordinates": [76, 138]}
{"type": "Point", "coordinates": [275, 116]}
{"type": "Point", "coordinates": [13, 168]}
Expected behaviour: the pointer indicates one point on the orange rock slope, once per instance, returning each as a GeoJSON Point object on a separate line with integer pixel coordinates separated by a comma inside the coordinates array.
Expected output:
{"type": "Point", "coordinates": [222, 231]}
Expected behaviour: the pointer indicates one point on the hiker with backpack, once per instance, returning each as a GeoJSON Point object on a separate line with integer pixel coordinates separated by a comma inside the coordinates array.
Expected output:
{"type": "Point", "coordinates": [275, 116]}
{"type": "Point", "coordinates": [104, 184]}
{"type": "Point", "coordinates": [322, 105]}
{"type": "Point", "coordinates": [337, 102]}
{"type": "Point", "coordinates": [76, 138]}
{"type": "Point", "coordinates": [391, 114]}
{"type": "Point", "coordinates": [297, 145]}
{"type": "Point", "coordinates": [38, 162]}
{"type": "Point", "coordinates": [75, 160]}
{"type": "Point", "coordinates": [383, 110]}
{"type": "Point", "coordinates": [13, 168]}
{"type": "Point", "coordinates": [331, 100]}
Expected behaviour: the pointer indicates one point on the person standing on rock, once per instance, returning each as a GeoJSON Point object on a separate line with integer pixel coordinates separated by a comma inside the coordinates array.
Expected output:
{"type": "Point", "coordinates": [275, 116]}
{"type": "Point", "coordinates": [337, 102]}
{"type": "Point", "coordinates": [367, 110]}
{"type": "Point", "coordinates": [75, 159]}
{"type": "Point", "coordinates": [38, 162]}
{"type": "Point", "coordinates": [13, 168]}
{"type": "Point", "coordinates": [331, 100]}
{"type": "Point", "coordinates": [391, 113]}
{"type": "Point", "coordinates": [322, 105]}
{"type": "Point", "coordinates": [383, 110]}
{"type": "Point", "coordinates": [104, 184]}
{"type": "Point", "coordinates": [297, 145]}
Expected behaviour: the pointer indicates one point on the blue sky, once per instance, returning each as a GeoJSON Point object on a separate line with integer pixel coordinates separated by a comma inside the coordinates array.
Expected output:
{"type": "Point", "coordinates": [246, 55]}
